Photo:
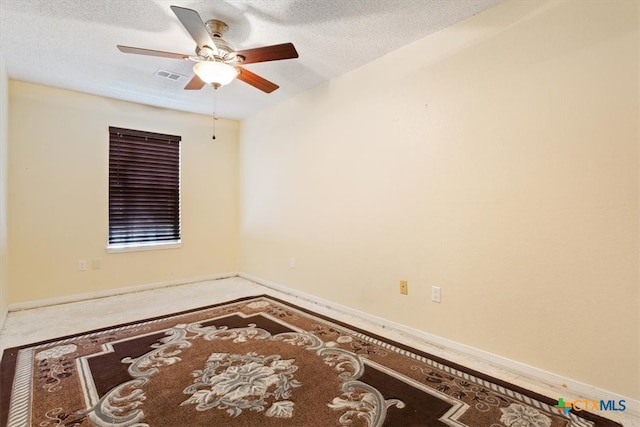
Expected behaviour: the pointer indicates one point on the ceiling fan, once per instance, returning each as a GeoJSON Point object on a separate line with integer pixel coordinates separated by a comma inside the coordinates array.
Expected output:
{"type": "Point", "coordinates": [216, 62]}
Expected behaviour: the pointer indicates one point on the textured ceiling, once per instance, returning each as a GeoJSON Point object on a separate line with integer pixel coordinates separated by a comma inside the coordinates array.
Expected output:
{"type": "Point", "coordinates": [72, 44]}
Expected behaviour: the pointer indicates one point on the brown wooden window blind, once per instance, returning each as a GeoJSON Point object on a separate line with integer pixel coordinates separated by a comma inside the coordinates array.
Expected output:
{"type": "Point", "coordinates": [144, 187]}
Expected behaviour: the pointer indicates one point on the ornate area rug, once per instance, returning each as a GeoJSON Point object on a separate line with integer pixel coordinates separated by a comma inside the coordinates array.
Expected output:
{"type": "Point", "coordinates": [257, 361]}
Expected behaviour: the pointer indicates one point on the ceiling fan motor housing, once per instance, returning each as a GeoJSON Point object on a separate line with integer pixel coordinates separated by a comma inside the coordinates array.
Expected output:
{"type": "Point", "coordinates": [226, 52]}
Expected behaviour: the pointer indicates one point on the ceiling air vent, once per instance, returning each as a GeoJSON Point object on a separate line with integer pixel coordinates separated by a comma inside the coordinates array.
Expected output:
{"type": "Point", "coordinates": [171, 76]}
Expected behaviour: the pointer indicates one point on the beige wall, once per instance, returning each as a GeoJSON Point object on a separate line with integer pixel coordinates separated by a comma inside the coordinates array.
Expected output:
{"type": "Point", "coordinates": [497, 159]}
{"type": "Point", "coordinates": [58, 182]}
{"type": "Point", "coordinates": [4, 142]}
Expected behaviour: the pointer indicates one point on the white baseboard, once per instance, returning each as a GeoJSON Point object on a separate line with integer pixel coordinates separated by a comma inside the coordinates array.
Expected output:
{"type": "Point", "coordinates": [112, 292]}
{"type": "Point", "coordinates": [562, 386]}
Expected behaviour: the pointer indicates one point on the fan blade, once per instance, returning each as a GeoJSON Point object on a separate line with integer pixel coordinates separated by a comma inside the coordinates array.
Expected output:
{"type": "Point", "coordinates": [195, 27]}
{"type": "Point", "coordinates": [150, 52]}
{"type": "Point", "coordinates": [195, 84]}
{"type": "Point", "coordinates": [256, 81]}
{"type": "Point", "coordinates": [268, 53]}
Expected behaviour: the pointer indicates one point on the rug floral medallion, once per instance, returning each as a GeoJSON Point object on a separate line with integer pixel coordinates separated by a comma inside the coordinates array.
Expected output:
{"type": "Point", "coordinates": [255, 362]}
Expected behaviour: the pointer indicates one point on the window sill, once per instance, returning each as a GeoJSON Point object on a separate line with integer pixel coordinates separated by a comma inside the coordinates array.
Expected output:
{"type": "Point", "coordinates": [135, 247]}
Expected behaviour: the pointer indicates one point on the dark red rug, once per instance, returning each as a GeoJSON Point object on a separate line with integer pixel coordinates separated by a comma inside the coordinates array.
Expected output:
{"type": "Point", "coordinates": [257, 361]}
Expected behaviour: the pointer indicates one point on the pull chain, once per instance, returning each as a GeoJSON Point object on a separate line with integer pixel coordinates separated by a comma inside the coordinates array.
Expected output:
{"type": "Point", "coordinates": [215, 109]}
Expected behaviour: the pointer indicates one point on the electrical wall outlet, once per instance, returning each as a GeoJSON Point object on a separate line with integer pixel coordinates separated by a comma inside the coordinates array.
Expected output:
{"type": "Point", "coordinates": [435, 293]}
{"type": "Point", "coordinates": [292, 262]}
{"type": "Point", "coordinates": [82, 264]}
{"type": "Point", "coordinates": [404, 287]}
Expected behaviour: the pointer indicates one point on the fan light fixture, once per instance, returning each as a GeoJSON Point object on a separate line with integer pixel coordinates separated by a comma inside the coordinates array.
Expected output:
{"type": "Point", "coordinates": [215, 73]}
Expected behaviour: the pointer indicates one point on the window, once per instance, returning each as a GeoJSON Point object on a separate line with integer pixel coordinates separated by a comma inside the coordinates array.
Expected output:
{"type": "Point", "coordinates": [144, 189]}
